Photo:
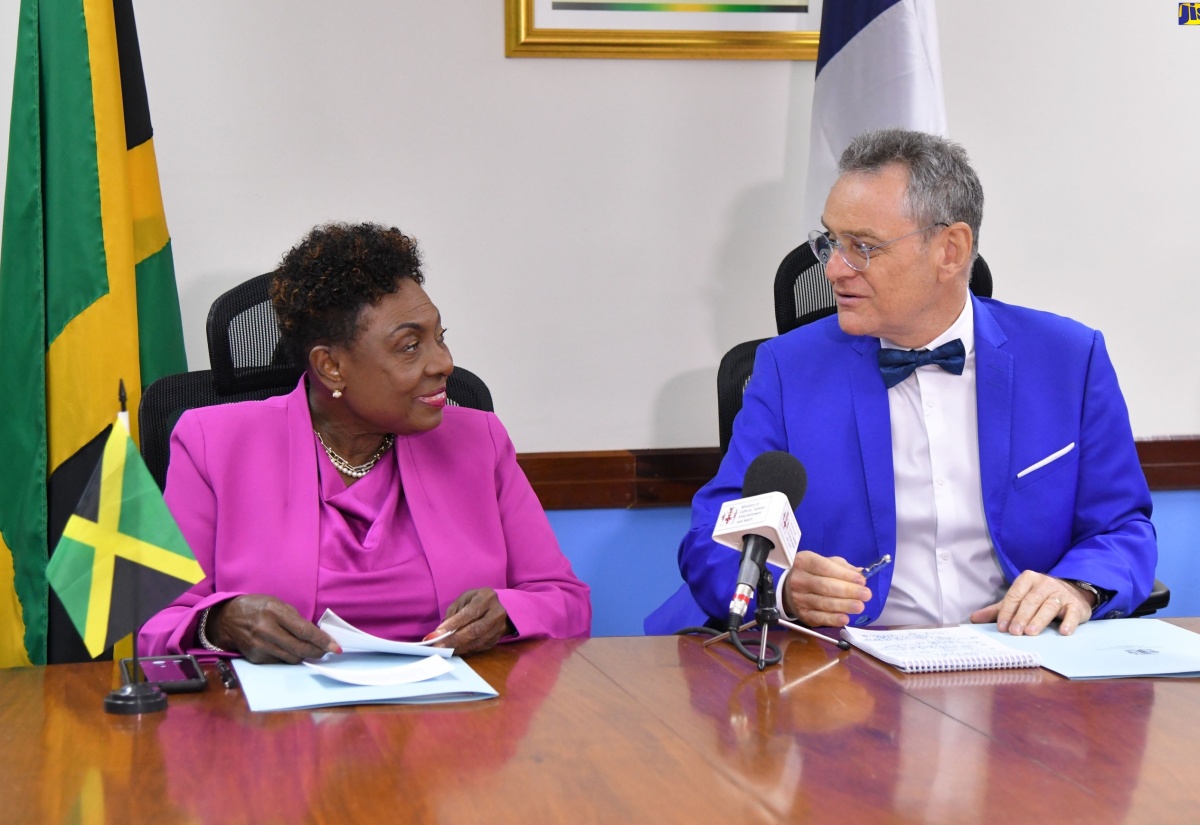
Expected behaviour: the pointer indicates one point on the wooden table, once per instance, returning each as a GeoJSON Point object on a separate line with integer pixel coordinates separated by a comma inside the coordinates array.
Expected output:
{"type": "Point", "coordinates": [621, 730]}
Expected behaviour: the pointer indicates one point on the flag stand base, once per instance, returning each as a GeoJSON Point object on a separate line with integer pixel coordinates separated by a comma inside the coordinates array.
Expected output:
{"type": "Point", "coordinates": [139, 697]}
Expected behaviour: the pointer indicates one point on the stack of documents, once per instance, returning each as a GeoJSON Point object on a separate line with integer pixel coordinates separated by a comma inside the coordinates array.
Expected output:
{"type": "Point", "coordinates": [1111, 649]}
{"type": "Point", "coordinates": [369, 671]}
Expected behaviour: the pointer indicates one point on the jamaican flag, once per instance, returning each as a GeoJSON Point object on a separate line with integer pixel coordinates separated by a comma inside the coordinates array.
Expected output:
{"type": "Point", "coordinates": [87, 285]}
{"type": "Point", "coordinates": [121, 557]}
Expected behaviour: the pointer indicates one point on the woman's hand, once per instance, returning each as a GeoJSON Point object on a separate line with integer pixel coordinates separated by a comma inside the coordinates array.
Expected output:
{"type": "Point", "coordinates": [477, 619]}
{"type": "Point", "coordinates": [266, 630]}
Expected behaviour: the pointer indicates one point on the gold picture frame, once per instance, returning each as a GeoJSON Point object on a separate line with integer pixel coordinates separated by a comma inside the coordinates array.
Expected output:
{"type": "Point", "coordinates": [523, 38]}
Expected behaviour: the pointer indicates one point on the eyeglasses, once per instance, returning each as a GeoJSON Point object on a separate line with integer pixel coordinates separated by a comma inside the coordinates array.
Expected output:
{"type": "Point", "coordinates": [854, 252]}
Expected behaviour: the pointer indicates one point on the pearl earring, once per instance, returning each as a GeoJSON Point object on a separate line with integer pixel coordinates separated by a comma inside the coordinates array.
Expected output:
{"type": "Point", "coordinates": [337, 393]}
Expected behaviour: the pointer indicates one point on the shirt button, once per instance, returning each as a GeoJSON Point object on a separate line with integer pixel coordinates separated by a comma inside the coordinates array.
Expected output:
{"type": "Point", "coordinates": [941, 482]}
{"type": "Point", "coordinates": [944, 556]}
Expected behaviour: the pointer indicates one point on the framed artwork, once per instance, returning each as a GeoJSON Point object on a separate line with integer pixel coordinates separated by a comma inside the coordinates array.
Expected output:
{"type": "Point", "coordinates": [736, 30]}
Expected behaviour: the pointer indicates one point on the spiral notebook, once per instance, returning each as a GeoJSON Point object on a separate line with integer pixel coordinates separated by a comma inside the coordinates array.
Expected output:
{"type": "Point", "coordinates": [938, 649]}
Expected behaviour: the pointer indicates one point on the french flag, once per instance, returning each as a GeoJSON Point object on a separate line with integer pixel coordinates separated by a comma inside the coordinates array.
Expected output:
{"type": "Point", "coordinates": [877, 67]}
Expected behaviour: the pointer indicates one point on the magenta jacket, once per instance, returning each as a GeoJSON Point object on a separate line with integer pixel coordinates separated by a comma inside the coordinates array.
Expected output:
{"type": "Point", "coordinates": [242, 483]}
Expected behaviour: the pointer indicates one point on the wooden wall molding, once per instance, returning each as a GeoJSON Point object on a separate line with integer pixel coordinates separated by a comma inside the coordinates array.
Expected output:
{"type": "Point", "coordinates": [651, 478]}
{"type": "Point", "coordinates": [1171, 462]}
{"type": "Point", "coordinates": [619, 478]}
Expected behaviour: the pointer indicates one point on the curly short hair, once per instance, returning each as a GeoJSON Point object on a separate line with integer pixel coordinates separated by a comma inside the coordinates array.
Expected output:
{"type": "Point", "coordinates": [325, 281]}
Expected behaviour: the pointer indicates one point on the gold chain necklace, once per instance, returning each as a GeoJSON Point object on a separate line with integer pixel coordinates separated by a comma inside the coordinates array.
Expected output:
{"type": "Point", "coordinates": [356, 470]}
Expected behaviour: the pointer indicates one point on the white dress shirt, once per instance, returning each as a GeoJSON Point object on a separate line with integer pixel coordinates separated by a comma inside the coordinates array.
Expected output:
{"type": "Point", "coordinates": [945, 566]}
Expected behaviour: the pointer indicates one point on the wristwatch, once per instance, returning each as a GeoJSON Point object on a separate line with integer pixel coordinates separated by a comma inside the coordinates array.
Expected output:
{"type": "Point", "coordinates": [1087, 587]}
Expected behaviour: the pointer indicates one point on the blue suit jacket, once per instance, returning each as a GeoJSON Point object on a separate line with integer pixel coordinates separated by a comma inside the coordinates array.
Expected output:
{"type": "Point", "coordinates": [1042, 381]}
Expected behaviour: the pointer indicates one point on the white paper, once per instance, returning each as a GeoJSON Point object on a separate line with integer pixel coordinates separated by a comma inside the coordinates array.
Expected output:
{"type": "Point", "coordinates": [376, 669]}
{"type": "Point", "coordinates": [351, 638]}
{"type": "Point", "coordinates": [1112, 649]}
{"type": "Point", "coordinates": [936, 649]}
{"type": "Point", "coordinates": [288, 687]}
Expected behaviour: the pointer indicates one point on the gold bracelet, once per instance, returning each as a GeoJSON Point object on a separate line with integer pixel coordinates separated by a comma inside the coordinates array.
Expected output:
{"type": "Point", "coordinates": [202, 637]}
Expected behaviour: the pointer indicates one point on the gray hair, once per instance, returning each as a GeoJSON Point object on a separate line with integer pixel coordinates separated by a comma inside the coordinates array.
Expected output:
{"type": "Point", "coordinates": [942, 186]}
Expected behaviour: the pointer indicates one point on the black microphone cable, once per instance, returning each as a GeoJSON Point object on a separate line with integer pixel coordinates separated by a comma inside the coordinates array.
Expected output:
{"type": "Point", "coordinates": [773, 657]}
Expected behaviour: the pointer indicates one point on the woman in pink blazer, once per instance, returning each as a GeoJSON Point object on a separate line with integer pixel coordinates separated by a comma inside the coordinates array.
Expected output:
{"type": "Point", "coordinates": [359, 491]}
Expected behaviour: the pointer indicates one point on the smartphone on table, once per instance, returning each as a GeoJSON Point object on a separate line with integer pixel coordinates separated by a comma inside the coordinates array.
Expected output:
{"type": "Point", "coordinates": [174, 674]}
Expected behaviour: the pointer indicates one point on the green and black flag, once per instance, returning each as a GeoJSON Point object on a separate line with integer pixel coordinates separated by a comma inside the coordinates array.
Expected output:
{"type": "Point", "coordinates": [121, 557]}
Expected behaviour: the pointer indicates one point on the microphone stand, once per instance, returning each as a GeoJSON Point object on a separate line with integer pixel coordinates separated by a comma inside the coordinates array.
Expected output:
{"type": "Point", "coordinates": [767, 616]}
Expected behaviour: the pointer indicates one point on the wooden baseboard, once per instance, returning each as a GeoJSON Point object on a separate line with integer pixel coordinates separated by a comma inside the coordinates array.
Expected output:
{"type": "Point", "coordinates": [1171, 462]}
{"type": "Point", "coordinates": [652, 478]}
{"type": "Point", "coordinates": [619, 478]}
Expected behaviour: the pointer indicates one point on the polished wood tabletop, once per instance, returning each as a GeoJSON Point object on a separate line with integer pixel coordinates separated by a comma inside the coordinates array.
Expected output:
{"type": "Point", "coordinates": [620, 730]}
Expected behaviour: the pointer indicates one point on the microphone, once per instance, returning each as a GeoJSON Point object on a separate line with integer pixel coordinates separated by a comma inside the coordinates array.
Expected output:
{"type": "Point", "coordinates": [762, 521]}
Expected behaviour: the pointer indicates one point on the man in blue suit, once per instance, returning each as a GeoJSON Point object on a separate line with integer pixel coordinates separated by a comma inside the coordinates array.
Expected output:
{"type": "Point", "coordinates": [985, 447]}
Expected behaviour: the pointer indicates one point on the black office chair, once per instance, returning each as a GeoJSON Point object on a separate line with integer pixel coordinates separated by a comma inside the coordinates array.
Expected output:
{"type": "Point", "coordinates": [244, 351]}
{"type": "Point", "coordinates": [247, 365]}
{"type": "Point", "coordinates": [802, 295]}
{"type": "Point", "coordinates": [243, 340]}
{"type": "Point", "coordinates": [169, 397]}
{"type": "Point", "coordinates": [732, 376]}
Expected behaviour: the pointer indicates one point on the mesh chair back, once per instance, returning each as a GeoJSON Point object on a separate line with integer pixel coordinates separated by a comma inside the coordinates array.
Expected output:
{"type": "Point", "coordinates": [803, 294]}
{"type": "Point", "coordinates": [466, 389]}
{"type": "Point", "coordinates": [243, 341]}
{"type": "Point", "coordinates": [732, 376]}
{"type": "Point", "coordinates": [244, 350]}
{"type": "Point", "coordinates": [168, 398]}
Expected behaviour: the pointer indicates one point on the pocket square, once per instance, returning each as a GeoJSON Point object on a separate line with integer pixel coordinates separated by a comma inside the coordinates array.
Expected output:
{"type": "Point", "coordinates": [1052, 457]}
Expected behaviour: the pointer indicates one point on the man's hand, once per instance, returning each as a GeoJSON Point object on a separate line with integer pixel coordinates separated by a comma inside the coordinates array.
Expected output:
{"type": "Point", "coordinates": [1035, 600]}
{"type": "Point", "coordinates": [477, 619]}
{"type": "Point", "coordinates": [266, 630]}
{"type": "Point", "coordinates": [824, 592]}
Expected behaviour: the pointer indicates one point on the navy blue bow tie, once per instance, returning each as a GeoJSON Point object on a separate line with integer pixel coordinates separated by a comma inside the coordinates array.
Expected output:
{"type": "Point", "coordinates": [898, 364]}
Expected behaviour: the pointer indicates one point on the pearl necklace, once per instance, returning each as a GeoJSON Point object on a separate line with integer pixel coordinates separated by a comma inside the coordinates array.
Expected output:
{"type": "Point", "coordinates": [356, 470]}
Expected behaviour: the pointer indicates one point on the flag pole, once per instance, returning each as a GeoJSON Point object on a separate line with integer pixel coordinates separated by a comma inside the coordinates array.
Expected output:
{"type": "Point", "coordinates": [138, 696]}
{"type": "Point", "coordinates": [124, 413]}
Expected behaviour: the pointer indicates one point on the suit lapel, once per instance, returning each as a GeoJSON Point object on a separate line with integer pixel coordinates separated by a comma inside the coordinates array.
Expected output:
{"type": "Point", "coordinates": [873, 419]}
{"type": "Point", "coordinates": [300, 532]}
{"type": "Point", "coordinates": [994, 370]}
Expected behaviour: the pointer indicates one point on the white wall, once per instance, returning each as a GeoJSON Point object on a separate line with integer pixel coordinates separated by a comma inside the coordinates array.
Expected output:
{"type": "Point", "coordinates": [1080, 121]}
{"type": "Point", "coordinates": [598, 233]}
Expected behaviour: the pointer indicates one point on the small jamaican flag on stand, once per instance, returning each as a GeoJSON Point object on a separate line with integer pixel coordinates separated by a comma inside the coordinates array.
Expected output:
{"type": "Point", "coordinates": [121, 558]}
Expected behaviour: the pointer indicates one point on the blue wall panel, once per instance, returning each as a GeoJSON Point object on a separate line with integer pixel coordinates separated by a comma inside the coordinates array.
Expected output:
{"type": "Point", "coordinates": [1177, 520]}
{"type": "Point", "coordinates": [628, 558]}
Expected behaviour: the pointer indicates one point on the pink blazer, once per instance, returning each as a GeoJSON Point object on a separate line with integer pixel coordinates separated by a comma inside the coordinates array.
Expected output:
{"type": "Point", "coordinates": [242, 483]}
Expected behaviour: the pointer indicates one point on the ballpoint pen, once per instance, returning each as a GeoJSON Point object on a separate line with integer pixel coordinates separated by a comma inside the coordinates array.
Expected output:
{"type": "Point", "coordinates": [875, 566]}
{"type": "Point", "coordinates": [228, 677]}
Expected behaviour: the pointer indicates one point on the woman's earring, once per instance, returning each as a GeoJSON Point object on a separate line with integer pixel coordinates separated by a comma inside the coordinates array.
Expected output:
{"type": "Point", "coordinates": [337, 393]}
